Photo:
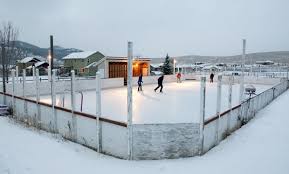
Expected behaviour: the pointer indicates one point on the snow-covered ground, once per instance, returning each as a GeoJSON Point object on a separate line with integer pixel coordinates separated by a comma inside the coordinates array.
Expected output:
{"type": "Point", "coordinates": [261, 146]}
{"type": "Point", "coordinates": [179, 102]}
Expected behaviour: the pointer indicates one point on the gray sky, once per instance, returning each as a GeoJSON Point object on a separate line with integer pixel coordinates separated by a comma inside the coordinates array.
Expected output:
{"type": "Point", "coordinates": [157, 27]}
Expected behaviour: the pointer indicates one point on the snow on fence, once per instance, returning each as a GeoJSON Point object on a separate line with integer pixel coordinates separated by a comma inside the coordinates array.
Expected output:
{"type": "Point", "coordinates": [55, 119]}
{"type": "Point", "coordinates": [149, 141]}
{"type": "Point", "coordinates": [62, 85]}
{"type": "Point", "coordinates": [235, 117]}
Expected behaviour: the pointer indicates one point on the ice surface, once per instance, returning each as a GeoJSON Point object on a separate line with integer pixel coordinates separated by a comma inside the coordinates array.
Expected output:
{"type": "Point", "coordinates": [179, 102]}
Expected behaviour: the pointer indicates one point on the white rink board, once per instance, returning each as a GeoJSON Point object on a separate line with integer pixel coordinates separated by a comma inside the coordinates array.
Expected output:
{"type": "Point", "coordinates": [179, 103]}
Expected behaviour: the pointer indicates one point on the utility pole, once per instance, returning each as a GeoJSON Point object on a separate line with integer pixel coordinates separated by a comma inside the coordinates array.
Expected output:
{"type": "Point", "coordinates": [3, 66]}
{"type": "Point", "coordinates": [51, 53]}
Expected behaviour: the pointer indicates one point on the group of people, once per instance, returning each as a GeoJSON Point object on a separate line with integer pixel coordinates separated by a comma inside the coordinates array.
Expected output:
{"type": "Point", "coordinates": [161, 79]}
{"type": "Point", "coordinates": [160, 83]}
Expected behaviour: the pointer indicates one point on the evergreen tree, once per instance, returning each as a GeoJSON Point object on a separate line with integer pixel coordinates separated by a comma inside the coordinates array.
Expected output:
{"type": "Point", "coordinates": [168, 66]}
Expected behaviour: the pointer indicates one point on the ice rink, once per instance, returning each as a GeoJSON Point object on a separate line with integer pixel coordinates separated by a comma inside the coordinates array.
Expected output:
{"type": "Point", "coordinates": [179, 102]}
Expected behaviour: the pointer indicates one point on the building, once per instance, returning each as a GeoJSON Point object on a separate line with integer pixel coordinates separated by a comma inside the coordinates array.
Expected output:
{"type": "Point", "coordinates": [26, 62]}
{"type": "Point", "coordinates": [80, 60]}
{"type": "Point", "coordinates": [42, 66]}
{"type": "Point", "coordinates": [113, 67]}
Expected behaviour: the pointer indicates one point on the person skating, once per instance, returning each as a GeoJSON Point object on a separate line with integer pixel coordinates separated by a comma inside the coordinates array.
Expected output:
{"type": "Point", "coordinates": [160, 83]}
{"type": "Point", "coordinates": [179, 77]}
{"type": "Point", "coordinates": [212, 78]}
{"type": "Point", "coordinates": [139, 82]}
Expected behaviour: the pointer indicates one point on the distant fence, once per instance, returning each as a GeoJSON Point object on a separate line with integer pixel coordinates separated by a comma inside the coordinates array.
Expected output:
{"type": "Point", "coordinates": [234, 118]}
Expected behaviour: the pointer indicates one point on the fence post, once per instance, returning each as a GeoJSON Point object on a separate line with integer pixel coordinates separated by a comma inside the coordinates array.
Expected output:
{"type": "Point", "coordinates": [38, 119]}
{"type": "Point", "coordinates": [241, 95]}
{"type": "Point", "coordinates": [229, 104]}
{"type": "Point", "coordinates": [287, 74]}
{"type": "Point", "coordinates": [202, 113]}
{"type": "Point", "coordinates": [24, 96]}
{"type": "Point", "coordinates": [98, 110]}
{"type": "Point", "coordinates": [219, 94]}
{"type": "Point", "coordinates": [129, 98]}
{"type": "Point", "coordinates": [23, 81]}
{"type": "Point", "coordinates": [74, 119]}
{"type": "Point", "coordinates": [53, 101]}
{"type": "Point", "coordinates": [17, 74]}
{"type": "Point", "coordinates": [13, 93]}
{"type": "Point", "coordinates": [33, 73]}
{"type": "Point", "coordinates": [49, 74]}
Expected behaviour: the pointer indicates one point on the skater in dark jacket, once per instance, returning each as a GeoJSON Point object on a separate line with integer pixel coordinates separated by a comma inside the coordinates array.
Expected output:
{"type": "Point", "coordinates": [160, 83]}
{"type": "Point", "coordinates": [139, 82]}
{"type": "Point", "coordinates": [211, 78]}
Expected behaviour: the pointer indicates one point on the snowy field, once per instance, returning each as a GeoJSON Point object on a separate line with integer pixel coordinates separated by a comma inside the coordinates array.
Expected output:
{"type": "Point", "coordinates": [179, 102]}
{"type": "Point", "coordinates": [261, 146]}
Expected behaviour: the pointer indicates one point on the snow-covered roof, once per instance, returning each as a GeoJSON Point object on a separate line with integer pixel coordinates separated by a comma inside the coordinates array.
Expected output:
{"type": "Point", "coordinates": [157, 72]}
{"type": "Point", "coordinates": [156, 65]}
{"type": "Point", "coordinates": [79, 55]}
{"type": "Point", "coordinates": [29, 59]}
{"type": "Point", "coordinates": [94, 64]}
{"type": "Point", "coordinates": [211, 67]}
{"type": "Point", "coordinates": [125, 58]}
{"type": "Point", "coordinates": [37, 64]}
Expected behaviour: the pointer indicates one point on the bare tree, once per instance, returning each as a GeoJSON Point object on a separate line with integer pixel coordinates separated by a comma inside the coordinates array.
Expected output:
{"type": "Point", "coordinates": [8, 36]}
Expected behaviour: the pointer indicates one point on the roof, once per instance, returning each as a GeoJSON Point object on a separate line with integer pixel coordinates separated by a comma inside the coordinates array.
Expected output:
{"type": "Point", "coordinates": [211, 67]}
{"type": "Point", "coordinates": [29, 59]}
{"type": "Point", "coordinates": [157, 65]}
{"type": "Point", "coordinates": [125, 58]}
{"type": "Point", "coordinates": [37, 64]}
{"type": "Point", "coordinates": [79, 55]}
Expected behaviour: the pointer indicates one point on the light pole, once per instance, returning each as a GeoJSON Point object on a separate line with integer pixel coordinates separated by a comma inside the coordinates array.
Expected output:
{"type": "Point", "coordinates": [51, 53]}
{"type": "Point", "coordinates": [3, 66]}
{"type": "Point", "coordinates": [175, 66]}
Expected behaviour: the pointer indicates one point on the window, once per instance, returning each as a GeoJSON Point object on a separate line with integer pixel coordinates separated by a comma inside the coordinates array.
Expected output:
{"type": "Point", "coordinates": [87, 60]}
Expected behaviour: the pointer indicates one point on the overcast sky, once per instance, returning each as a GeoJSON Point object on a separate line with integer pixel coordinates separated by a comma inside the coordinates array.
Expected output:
{"type": "Point", "coordinates": [157, 27]}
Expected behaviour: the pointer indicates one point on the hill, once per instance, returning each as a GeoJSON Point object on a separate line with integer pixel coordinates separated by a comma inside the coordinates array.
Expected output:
{"type": "Point", "coordinates": [28, 49]}
{"type": "Point", "coordinates": [276, 56]}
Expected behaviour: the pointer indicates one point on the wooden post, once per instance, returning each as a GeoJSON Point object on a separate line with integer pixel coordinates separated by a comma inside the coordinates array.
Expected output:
{"type": "Point", "coordinates": [218, 110]}
{"type": "Point", "coordinates": [17, 74]}
{"type": "Point", "coordinates": [33, 73]}
{"type": "Point", "coordinates": [38, 99]}
{"type": "Point", "coordinates": [53, 101]}
{"type": "Point", "coordinates": [98, 110]}
{"type": "Point", "coordinates": [49, 73]}
{"type": "Point", "coordinates": [24, 95]}
{"type": "Point", "coordinates": [74, 119]}
{"type": "Point", "coordinates": [202, 112]}
{"type": "Point", "coordinates": [23, 82]}
{"type": "Point", "coordinates": [229, 103]}
{"type": "Point", "coordinates": [129, 98]}
{"type": "Point", "coordinates": [241, 95]}
{"type": "Point", "coordinates": [13, 92]}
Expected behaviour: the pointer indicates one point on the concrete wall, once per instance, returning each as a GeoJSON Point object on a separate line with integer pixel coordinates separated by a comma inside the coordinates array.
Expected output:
{"type": "Point", "coordinates": [162, 141]}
